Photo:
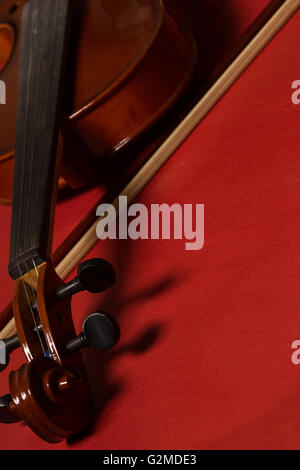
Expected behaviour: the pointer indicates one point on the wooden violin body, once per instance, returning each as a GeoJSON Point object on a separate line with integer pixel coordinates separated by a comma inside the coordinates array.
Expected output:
{"type": "Point", "coordinates": [128, 63]}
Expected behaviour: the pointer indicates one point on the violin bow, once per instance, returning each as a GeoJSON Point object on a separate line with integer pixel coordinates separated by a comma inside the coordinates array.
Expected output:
{"type": "Point", "coordinates": [280, 15]}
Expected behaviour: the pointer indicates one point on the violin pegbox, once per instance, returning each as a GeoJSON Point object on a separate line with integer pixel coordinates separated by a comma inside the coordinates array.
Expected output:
{"type": "Point", "coordinates": [51, 392]}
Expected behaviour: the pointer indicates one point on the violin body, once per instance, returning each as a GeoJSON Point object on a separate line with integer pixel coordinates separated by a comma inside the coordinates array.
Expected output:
{"type": "Point", "coordinates": [128, 63]}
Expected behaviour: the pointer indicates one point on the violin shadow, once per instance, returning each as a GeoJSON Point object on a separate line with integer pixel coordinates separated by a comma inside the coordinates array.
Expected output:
{"type": "Point", "coordinates": [214, 26]}
{"type": "Point", "coordinates": [116, 303]}
{"type": "Point", "coordinates": [98, 364]}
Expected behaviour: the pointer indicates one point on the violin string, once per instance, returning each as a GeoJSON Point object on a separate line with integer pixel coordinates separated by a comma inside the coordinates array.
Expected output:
{"type": "Point", "coordinates": [33, 291]}
{"type": "Point", "coordinates": [26, 237]}
{"type": "Point", "coordinates": [30, 304]}
{"type": "Point", "coordinates": [37, 168]}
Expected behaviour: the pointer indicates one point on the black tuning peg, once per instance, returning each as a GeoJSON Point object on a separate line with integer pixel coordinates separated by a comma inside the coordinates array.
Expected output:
{"type": "Point", "coordinates": [95, 275]}
{"type": "Point", "coordinates": [6, 347]}
{"type": "Point", "coordinates": [6, 414]}
{"type": "Point", "coordinates": [100, 331]}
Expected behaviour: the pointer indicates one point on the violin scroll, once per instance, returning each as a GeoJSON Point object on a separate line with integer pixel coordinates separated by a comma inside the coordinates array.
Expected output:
{"type": "Point", "coordinates": [51, 392]}
{"type": "Point", "coordinates": [50, 399]}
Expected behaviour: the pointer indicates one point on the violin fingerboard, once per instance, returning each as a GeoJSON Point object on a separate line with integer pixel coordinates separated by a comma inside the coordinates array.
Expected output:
{"type": "Point", "coordinates": [45, 26]}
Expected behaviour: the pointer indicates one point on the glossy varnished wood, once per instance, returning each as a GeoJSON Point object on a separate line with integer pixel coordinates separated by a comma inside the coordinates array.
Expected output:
{"type": "Point", "coordinates": [141, 94]}
{"type": "Point", "coordinates": [128, 62]}
{"type": "Point", "coordinates": [52, 414]}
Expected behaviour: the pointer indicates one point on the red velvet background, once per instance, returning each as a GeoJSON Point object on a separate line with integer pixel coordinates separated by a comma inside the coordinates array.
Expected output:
{"type": "Point", "coordinates": [205, 356]}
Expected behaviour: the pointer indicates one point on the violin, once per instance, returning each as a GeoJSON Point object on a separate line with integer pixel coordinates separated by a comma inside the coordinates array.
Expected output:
{"type": "Point", "coordinates": [119, 54]}
{"type": "Point", "coordinates": [127, 63]}
{"type": "Point", "coordinates": [50, 392]}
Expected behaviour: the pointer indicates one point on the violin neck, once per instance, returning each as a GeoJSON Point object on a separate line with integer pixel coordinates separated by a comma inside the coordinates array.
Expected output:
{"type": "Point", "coordinates": [44, 42]}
